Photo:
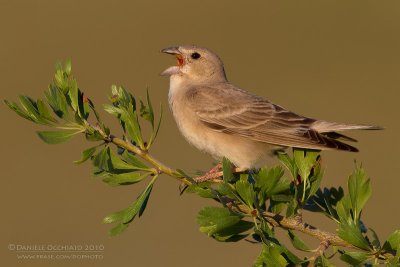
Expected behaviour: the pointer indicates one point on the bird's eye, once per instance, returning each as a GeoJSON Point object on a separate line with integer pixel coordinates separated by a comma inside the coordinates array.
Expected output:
{"type": "Point", "coordinates": [195, 55]}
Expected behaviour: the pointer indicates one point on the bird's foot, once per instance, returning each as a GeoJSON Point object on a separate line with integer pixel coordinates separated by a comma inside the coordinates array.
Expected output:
{"type": "Point", "coordinates": [216, 168]}
{"type": "Point", "coordinates": [212, 174]}
{"type": "Point", "coordinates": [215, 174]}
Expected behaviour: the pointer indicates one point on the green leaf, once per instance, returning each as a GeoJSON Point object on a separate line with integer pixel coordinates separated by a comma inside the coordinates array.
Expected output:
{"type": "Point", "coordinates": [222, 224]}
{"type": "Point", "coordinates": [90, 105]}
{"type": "Point", "coordinates": [343, 209]}
{"type": "Point", "coordinates": [134, 161]}
{"type": "Point", "coordinates": [292, 207]}
{"type": "Point", "coordinates": [73, 93]}
{"type": "Point", "coordinates": [266, 233]}
{"type": "Point", "coordinates": [289, 256]}
{"type": "Point", "coordinates": [289, 164]}
{"type": "Point", "coordinates": [106, 130]}
{"type": "Point", "coordinates": [102, 159]}
{"type": "Point", "coordinates": [30, 107]}
{"type": "Point", "coordinates": [126, 178]}
{"type": "Point", "coordinates": [349, 209]}
{"type": "Point", "coordinates": [212, 219]}
{"type": "Point", "coordinates": [270, 256]}
{"type": "Point", "coordinates": [131, 124]}
{"type": "Point", "coordinates": [305, 160]}
{"type": "Point", "coordinates": [86, 154]}
{"type": "Point", "coordinates": [395, 261]}
{"type": "Point", "coordinates": [359, 191]}
{"type": "Point", "coordinates": [234, 232]}
{"type": "Point", "coordinates": [125, 216]}
{"type": "Point", "coordinates": [114, 217]}
{"type": "Point", "coordinates": [150, 109]}
{"type": "Point", "coordinates": [113, 110]}
{"type": "Point", "coordinates": [322, 261]}
{"type": "Point", "coordinates": [315, 181]}
{"type": "Point", "coordinates": [226, 189]}
{"type": "Point", "coordinates": [245, 190]}
{"type": "Point", "coordinates": [375, 240]}
{"type": "Point", "coordinates": [202, 192]}
{"type": "Point", "coordinates": [393, 242]}
{"type": "Point", "coordinates": [93, 135]}
{"type": "Point", "coordinates": [270, 181]}
{"type": "Point", "coordinates": [44, 112]}
{"type": "Point", "coordinates": [55, 137]}
{"type": "Point", "coordinates": [61, 79]}
{"type": "Point", "coordinates": [118, 229]}
{"type": "Point", "coordinates": [118, 163]}
{"type": "Point", "coordinates": [114, 91]}
{"type": "Point", "coordinates": [57, 101]}
{"type": "Point", "coordinates": [78, 119]}
{"type": "Point", "coordinates": [282, 198]}
{"type": "Point", "coordinates": [122, 97]}
{"type": "Point", "coordinates": [155, 131]}
{"type": "Point", "coordinates": [354, 258]}
{"type": "Point", "coordinates": [139, 205]}
{"type": "Point", "coordinates": [297, 242]}
{"type": "Point", "coordinates": [13, 106]}
{"type": "Point", "coordinates": [146, 111]}
{"type": "Point", "coordinates": [183, 174]}
{"type": "Point", "coordinates": [84, 107]}
{"type": "Point", "coordinates": [350, 232]}
{"type": "Point", "coordinates": [67, 66]}
{"type": "Point", "coordinates": [107, 160]}
{"type": "Point", "coordinates": [276, 206]}
{"type": "Point", "coordinates": [227, 170]}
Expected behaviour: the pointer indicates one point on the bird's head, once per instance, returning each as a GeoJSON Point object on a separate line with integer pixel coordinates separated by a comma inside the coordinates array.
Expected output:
{"type": "Point", "coordinates": [195, 63]}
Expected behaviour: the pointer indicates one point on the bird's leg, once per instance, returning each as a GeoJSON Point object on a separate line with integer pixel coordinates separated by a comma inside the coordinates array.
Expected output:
{"type": "Point", "coordinates": [216, 168]}
{"type": "Point", "coordinates": [214, 174]}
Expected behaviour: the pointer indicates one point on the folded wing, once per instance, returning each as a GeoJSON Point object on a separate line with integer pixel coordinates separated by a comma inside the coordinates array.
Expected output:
{"type": "Point", "coordinates": [228, 109]}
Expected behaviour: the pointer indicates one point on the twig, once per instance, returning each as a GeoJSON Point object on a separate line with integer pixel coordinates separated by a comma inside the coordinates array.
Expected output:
{"type": "Point", "coordinates": [293, 224]}
{"type": "Point", "coordinates": [323, 246]}
{"type": "Point", "coordinates": [161, 168]}
{"type": "Point", "coordinates": [274, 219]}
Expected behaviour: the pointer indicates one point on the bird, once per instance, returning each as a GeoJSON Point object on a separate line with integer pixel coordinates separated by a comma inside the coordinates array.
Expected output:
{"type": "Point", "coordinates": [224, 120]}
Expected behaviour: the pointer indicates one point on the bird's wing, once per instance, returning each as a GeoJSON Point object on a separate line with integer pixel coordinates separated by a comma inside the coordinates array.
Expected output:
{"type": "Point", "coordinates": [225, 108]}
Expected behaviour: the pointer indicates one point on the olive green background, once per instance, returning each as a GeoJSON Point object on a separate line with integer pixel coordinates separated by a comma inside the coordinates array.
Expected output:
{"type": "Point", "coordinates": [336, 60]}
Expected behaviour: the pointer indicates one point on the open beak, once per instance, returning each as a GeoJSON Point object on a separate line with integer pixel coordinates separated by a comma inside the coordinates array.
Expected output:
{"type": "Point", "coordinates": [171, 50]}
{"type": "Point", "coordinates": [180, 61]}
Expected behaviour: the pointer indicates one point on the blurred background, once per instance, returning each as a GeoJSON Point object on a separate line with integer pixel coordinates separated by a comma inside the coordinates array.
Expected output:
{"type": "Point", "coordinates": [336, 60]}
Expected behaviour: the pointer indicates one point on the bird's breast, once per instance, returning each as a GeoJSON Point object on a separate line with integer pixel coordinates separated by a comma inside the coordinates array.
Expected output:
{"type": "Point", "coordinates": [188, 123]}
{"type": "Point", "coordinates": [242, 152]}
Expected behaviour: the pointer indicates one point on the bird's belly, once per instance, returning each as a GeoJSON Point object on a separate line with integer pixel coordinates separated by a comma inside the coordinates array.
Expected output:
{"type": "Point", "coordinates": [240, 151]}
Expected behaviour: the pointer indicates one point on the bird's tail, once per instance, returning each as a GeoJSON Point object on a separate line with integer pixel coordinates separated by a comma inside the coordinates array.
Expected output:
{"type": "Point", "coordinates": [326, 127]}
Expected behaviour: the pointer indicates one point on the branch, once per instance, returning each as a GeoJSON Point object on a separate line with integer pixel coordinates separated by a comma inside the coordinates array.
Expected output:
{"type": "Point", "coordinates": [294, 224]}
{"type": "Point", "coordinates": [161, 168]}
{"type": "Point", "coordinates": [277, 220]}
{"type": "Point", "coordinates": [274, 219]}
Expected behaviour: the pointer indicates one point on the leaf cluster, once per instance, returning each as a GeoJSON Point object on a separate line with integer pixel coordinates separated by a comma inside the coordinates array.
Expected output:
{"type": "Point", "coordinates": [248, 198]}
{"type": "Point", "coordinates": [67, 109]}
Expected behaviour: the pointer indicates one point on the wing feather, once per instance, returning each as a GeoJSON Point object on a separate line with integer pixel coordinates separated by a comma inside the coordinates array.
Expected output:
{"type": "Point", "coordinates": [228, 109]}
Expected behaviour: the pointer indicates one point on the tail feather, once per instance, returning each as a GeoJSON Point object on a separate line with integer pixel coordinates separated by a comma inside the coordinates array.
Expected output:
{"type": "Point", "coordinates": [326, 127]}
{"type": "Point", "coordinates": [336, 135]}
{"type": "Point", "coordinates": [326, 142]}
